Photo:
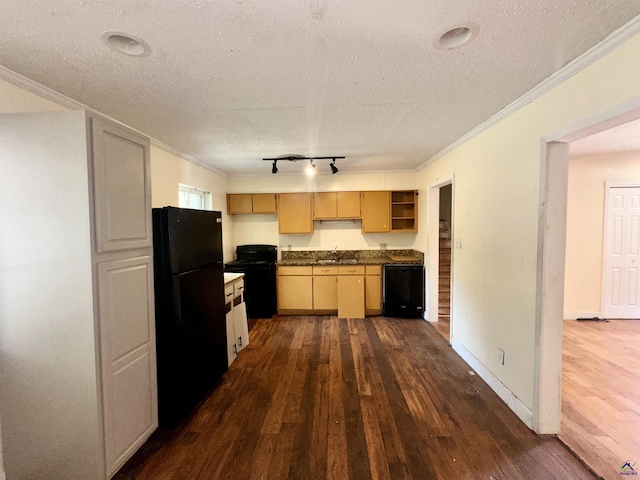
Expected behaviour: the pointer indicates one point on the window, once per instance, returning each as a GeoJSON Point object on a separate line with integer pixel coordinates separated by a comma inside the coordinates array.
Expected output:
{"type": "Point", "coordinates": [192, 197]}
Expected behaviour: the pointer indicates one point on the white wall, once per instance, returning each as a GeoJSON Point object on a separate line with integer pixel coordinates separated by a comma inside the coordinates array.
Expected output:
{"type": "Point", "coordinates": [168, 170]}
{"type": "Point", "coordinates": [347, 235]}
{"type": "Point", "coordinates": [496, 208]}
{"type": "Point", "coordinates": [16, 100]}
{"type": "Point", "coordinates": [51, 419]}
{"type": "Point", "coordinates": [585, 226]}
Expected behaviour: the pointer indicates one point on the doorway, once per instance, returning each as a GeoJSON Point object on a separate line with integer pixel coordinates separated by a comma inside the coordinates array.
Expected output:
{"type": "Point", "coordinates": [584, 339]}
{"type": "Point", "coordinates": [440, 227]}
{"type": "Point", "coordinates": [444, 262]}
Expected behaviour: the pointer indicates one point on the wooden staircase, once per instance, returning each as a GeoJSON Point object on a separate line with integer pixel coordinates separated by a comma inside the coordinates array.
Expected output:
{"type": "Point", "coordinates": [444, 274]}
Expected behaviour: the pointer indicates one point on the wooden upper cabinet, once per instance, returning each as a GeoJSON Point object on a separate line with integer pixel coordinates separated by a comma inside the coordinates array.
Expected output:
{"type": "Point", "coordinates": [294, 213]}
{"type": "Point", "coordinates": [333, 205]}
{"type": "Point", "coordinates": [243, 203]}
{"type": "Point", "coordinates": [122, 197]}
{"type": "Point", "coordinates": [264, 203]}
{"type": "Point", "coordinates": [348, 204]}
{"type": "Point", "coordinates": [239, 203]}
{"type": "Point", "coordinates": [325, 205]}
{"type": "Point", "coordinates": [376, 212]}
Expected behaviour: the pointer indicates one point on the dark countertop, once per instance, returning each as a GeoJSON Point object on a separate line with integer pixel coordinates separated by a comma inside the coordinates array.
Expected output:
{"type": "Point", "coordinates": [362, 257]}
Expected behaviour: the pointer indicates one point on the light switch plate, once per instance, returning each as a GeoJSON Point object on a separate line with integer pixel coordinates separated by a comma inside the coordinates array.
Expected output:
{"type": "Point", "coordinates": [458, 243]}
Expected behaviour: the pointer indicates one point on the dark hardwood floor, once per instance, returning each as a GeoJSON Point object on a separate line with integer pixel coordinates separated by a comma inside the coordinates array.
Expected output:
{"type": "Point", "coordinates": [322, 397]}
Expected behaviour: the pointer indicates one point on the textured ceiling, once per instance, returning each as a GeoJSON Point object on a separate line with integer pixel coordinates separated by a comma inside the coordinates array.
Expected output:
{"type": "Point", "coordinates": [623, 138]}
{"type": "Point", "coordinates": [230, 82]}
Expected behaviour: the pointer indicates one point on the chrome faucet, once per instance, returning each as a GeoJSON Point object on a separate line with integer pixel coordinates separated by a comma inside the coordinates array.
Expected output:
{"type": "Point", "coordinates": [335, 253]}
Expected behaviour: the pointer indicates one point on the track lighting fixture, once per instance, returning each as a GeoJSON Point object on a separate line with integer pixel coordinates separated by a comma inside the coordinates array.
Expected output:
{"type": "Point", "coordinates": [310, 169]}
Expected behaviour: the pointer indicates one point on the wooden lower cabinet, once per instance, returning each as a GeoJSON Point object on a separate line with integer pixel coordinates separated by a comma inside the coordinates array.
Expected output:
{"type": "Point", "coordinates": [325, 288]}
{"type": "Point", "coordinates": [351, 296]}
{"type": "Point", "coordinates": [351, 291]}
{"type": "Point", "coordinates": [295, 289]}
{"type": "Point", "coordinates": [373, 290]}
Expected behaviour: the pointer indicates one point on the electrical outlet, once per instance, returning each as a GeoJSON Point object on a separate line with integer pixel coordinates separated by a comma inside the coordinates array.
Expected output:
{"type": "Point", "coordinates": [383, 246]}
{"type": "Point", "coordinates": [289, 247]}
{"type": "Point", "coordinates": [501, 356]}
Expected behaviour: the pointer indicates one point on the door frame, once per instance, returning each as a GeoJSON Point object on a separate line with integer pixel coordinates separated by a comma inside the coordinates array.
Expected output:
{"type": "Point", "coordinates": [552, 227]}
{"type": "Point", "coordinates": [433, 229]}
{"type": "Point", "coordinates": [605, 239]}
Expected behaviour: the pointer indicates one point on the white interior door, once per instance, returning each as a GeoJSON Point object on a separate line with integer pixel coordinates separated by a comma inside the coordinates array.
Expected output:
{"type": "Point", "coordinates": [621, 283]}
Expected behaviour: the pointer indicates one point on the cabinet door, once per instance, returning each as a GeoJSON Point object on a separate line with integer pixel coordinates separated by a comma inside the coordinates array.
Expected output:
{"type": "Point", "coordinates": [231, 337]}
{"type": "Point", "coordinates": [348, 204]}
{"type": "Point", "coordinates": [294, 213]}
{"type": "Point", "coordinates": [325, 292]}
{"type": "Point", "coordinates": [295, 292]}
{"type": "Point", "coordinates": [122, 198]}
{"type": "Point", "coordinates": [325, 205]}
{"type": "Point", "coordinates": [373, 294]}
{"type": "Point", "coordinates": [351, 296]}
{"type": "Point", "coordinates": [238, 203]}
{"type": "Point", "coordinates": [376, 212]}
{"type": "Point", "coordinates": [264, 203]}
{"type": "Point", "coordinates": [128, 356]}
{"type": "Point", "coordinates": [240, 323]}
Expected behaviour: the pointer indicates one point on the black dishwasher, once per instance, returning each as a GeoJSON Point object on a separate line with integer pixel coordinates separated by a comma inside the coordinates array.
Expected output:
{"type": "Point", "coordinates": [403, 291]}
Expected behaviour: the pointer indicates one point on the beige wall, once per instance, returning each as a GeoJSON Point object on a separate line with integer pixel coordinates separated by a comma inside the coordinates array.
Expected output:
{"type": "Point", "coordinates": [347, 235]}
{"type": "Point", "coordinates": [168, 170]}
{"type": "Point", "coordinates": [496, 207]}
{"type": "Point", "coordinates": [585, 225]}
{"type": "Point", "coordinates": [17, 100]}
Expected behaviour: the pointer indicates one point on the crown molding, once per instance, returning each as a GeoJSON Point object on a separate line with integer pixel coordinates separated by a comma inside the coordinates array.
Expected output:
{"type": "Point", "coordinates": [610, 43]}
{"type": "Point", "coordinates": [187, 157]}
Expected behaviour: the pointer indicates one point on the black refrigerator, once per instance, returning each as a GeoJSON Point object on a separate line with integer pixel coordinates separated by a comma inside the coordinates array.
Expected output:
{"type": "Point", "coordinates": [189, 304]}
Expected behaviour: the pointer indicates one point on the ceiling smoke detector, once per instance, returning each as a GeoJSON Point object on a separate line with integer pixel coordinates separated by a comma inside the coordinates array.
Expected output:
{"type": "Point", "coordinates": [126, 44]}
{"type": "Point", "coordinates": [457, 36]}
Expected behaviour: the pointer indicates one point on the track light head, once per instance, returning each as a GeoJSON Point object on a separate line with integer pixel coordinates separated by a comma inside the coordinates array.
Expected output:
{"type": "Point", "coordinates": [310, 169]}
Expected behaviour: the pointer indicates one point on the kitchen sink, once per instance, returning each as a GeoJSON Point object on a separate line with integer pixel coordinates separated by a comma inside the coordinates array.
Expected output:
{"type": "Point", "coordinates": [331, 261]}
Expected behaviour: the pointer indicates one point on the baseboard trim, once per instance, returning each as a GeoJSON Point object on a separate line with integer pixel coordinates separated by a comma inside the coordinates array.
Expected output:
{"type": "Point", "coordinates": [576, 315]}
{"type": "Point", "coordinates": [523, 412]}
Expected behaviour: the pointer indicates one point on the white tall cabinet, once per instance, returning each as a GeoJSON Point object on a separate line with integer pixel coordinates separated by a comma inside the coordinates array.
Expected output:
{"type": "Point", "coordinates": [78, 388]}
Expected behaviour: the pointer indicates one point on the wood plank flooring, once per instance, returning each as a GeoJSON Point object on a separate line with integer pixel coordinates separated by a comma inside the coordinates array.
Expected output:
{"type": "Point", "coordinates": [601, 393]}
{"type": "Point", "coordinates": [329, 398]}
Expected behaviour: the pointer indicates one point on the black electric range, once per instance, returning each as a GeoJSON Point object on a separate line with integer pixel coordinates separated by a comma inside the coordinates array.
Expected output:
{"type": "Point", "coordinates": [258, 263]}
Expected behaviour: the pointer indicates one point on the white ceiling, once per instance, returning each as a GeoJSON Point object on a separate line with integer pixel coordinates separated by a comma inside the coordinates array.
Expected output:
{"type": "Point", "coordinates": [623, 138]}
{"type": "Point", "coordinates": [230, 82]}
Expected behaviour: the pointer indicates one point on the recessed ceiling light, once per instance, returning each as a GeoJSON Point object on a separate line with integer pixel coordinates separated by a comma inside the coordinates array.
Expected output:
{"type": "Point", "coordinates": [457, 36]}
{"type": "Point", "coordinates": [126, 44]}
